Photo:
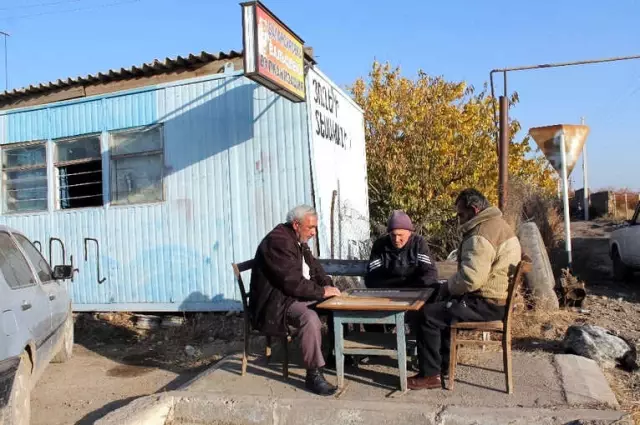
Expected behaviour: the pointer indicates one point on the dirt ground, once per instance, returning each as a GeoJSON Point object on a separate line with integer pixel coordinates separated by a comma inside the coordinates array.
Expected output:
{"type": "Point", "coordinates": [609, 304]}
{"type": "Point", "coordinates": [116, 362]}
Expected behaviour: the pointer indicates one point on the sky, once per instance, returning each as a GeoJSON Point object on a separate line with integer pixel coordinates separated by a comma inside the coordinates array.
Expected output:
{"type": "Point", "coordinates": [459, 40]}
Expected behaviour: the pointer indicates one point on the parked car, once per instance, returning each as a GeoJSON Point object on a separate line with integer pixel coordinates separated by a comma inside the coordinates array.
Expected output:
{"type": "Point", "coordinates": [36, 324]}
{"type": "Point", "coordinates": [624, 248]}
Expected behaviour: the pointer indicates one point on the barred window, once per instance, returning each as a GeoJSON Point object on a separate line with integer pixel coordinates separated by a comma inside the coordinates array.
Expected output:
{"type": "Point", "coordinates": [137, 166]}
{"type": "Point", "coordinates": [24, 174]}
{"type": "Point", "coordinates": [79, 170]}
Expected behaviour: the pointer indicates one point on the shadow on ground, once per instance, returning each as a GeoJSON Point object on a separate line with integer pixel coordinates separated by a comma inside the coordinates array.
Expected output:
{"type": "Point", "coordinates": [137, 352]}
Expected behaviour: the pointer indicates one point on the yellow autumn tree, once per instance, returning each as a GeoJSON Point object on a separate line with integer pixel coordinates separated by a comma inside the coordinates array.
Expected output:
{"type": "Point", "coordinates": [426, 140]}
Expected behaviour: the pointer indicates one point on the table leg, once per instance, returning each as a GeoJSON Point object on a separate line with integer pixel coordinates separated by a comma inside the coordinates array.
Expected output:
{"type": "Point", "coordinates": [402, 350]}
{"type": "Point", "coordinates": [339, 348]}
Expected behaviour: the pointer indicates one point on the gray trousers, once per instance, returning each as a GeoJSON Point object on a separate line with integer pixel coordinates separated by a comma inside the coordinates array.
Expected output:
{"type": "Point", "coordinates": [309, 326]}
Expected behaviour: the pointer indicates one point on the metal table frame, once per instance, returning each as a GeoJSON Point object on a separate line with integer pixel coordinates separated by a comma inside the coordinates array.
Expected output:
{"type": "Point", "coordinates": [341, 317]}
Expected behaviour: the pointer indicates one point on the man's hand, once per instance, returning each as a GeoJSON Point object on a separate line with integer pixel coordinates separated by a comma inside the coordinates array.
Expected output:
{"type": "Point", "coordinates": [331, 291]}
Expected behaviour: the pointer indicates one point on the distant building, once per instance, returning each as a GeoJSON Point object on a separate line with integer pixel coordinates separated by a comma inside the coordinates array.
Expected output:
{"type": "Point", "coordinates": [174, 170]}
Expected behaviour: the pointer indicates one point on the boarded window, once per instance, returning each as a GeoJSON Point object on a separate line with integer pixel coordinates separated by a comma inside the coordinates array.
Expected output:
{"type": "Point", "coordinates": [24, 173]}
{"type": "Point", "coordinates": [137, 166]}
{"type": "Point", "coordinates": [79, 166]}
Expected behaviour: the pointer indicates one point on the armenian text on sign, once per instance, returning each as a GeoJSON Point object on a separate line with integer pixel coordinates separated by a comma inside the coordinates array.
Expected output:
{"type": "Point", "coordinates": [273, 54]}
{"type": "Point", "coordinates": [326, 105]}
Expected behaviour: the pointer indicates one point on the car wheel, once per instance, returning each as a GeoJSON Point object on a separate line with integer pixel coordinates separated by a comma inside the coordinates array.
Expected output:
{"type": "Point", "coordinates": [621, 272]}
{"type": "Point", "coordinates": [17, 411]}
{"type": "Point", "coordinates": [66, 350]}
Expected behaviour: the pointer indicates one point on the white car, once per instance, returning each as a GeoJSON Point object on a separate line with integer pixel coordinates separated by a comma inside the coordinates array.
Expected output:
{"type": "Point", "coordinates": [36, 324]}
{"type": "Point", "coordinates": [624, 248]}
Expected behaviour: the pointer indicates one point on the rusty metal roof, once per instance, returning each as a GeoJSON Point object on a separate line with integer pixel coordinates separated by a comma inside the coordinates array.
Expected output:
{"type": "Point", "coordinates": [147, 69]}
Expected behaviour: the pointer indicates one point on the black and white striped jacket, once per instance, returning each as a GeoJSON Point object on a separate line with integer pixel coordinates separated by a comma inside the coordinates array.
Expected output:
{"type": "Point", "coordinates": [411, 266]}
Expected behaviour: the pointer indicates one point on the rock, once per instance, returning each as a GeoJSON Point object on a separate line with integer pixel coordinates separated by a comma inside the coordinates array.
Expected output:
{"type": "Point", "coordinates": [595, 343]}
{"type": "Point", "coordinates": [631, 360]}
{"type": "Point", "coordinates": [172, 321]}
{"type": "Point", "coordinates": [190, 351]}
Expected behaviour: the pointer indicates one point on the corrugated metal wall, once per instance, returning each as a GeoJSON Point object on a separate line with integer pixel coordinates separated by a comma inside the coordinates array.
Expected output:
{"type": "Point", "coordinates": [236, 159]}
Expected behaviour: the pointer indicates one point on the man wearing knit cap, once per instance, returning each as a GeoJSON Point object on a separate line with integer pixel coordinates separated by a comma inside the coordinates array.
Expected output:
{"type": "Point", "coordinates": [401, 259]}
{"type": "Point", "coordinates": [487, 257]}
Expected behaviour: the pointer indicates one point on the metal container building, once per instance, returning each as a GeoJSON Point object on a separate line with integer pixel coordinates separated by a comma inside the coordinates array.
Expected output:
{"type": "Point", "coordinates": [152, 180]}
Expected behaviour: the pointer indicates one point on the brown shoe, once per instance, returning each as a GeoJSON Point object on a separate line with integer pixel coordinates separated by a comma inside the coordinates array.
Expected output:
{"type": "Point", "coordinates": [424, 383]}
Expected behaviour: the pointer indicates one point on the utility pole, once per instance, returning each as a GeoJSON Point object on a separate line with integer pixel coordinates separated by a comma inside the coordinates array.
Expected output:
{"type": "Point", "coordinates": [501, 119]}
{"type": "Point", "coordinates": [6, 66]}
{"type": "Point", "coordinates": [585, 180]}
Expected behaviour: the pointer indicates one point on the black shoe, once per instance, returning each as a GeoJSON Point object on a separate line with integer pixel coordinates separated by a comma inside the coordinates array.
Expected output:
{"type": "Point", "coordinates": [316, 383]}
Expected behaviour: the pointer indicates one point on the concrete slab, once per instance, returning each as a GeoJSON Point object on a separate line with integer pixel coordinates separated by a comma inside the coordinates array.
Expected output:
{"type": "Point", "coordinates": [479, 382]}
{"type": "Point", "coordinates": [222, 396]}
{"type": "Point", "coordinates": [190, 408]}
{"type": "Point", "coordinates": [583, 381]}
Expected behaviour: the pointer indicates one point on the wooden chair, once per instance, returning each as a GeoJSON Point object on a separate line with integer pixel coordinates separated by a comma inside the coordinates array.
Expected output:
{"type": "Point", "coordinates": [248, 331]}
{"type": "Point", "coordinates": [502, 327]}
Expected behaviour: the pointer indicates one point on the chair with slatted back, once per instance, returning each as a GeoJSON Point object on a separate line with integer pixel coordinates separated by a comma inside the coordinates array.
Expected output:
{"type": "Point", "coordinates": [249, 332]}
{"type": "Point", "coordinates": [502, 327]}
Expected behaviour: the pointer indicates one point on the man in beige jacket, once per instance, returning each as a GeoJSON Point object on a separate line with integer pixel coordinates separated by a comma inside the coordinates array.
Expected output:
{"type": "Point", "coordinates": [487, 257]}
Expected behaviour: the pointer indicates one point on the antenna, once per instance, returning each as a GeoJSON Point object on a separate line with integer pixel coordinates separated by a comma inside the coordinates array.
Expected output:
{"type": "Point", "coordinates": [6, 67]}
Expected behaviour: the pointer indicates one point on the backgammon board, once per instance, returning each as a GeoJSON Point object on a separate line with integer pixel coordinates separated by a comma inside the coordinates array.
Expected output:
{"type": "Point", "coordinates": [382, 299]}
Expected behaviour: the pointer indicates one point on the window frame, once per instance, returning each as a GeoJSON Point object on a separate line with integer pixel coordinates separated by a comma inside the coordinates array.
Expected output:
{"type": "Point", "coordinates": [57, 164]}
{"type": "Point", "coordinates": [151, 153]}
{"type": "Point", "coordinates": [36, 280]}
{"type": "Point", "coordinates": [34, 271]}
{"type": "Point", "coordinates": [4, 170]}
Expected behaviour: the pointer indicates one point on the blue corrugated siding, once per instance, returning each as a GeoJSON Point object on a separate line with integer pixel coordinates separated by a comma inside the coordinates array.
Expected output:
{"type": "Point", "coordinates": [75, 119]}
{"type": "Point", "coordinates": [237, 158]}
{"type": "Point", "coordinates": [270, 172]}
{"type": "Point", "coordinates": [28, 126]}
{"type": "Point", "coordinates": [3, 129]}
{"type": "Point", "coordinates": [198, 119]}
{"type": "Point", "coordinates": [131, 110]}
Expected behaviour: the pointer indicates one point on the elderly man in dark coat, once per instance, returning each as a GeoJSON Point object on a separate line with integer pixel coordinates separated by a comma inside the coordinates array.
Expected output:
{"type": "Point", "coordinates": [286, 282]}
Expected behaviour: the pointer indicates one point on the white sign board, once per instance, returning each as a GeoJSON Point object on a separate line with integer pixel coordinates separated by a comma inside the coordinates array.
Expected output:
{"type": "Point", "coordinates": [336, 126]}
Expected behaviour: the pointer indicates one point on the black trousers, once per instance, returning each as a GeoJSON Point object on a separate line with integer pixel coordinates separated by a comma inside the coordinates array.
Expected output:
{"type": "Point", "coordinates": [433, 328]}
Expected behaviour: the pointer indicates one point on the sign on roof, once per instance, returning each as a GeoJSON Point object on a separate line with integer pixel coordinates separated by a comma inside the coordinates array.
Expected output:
{"type": "Point", "coordinates": [273, 54]}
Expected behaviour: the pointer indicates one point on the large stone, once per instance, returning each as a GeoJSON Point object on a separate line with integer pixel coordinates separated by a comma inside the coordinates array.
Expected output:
{"type": "Point", "coordinates": [596, 343]}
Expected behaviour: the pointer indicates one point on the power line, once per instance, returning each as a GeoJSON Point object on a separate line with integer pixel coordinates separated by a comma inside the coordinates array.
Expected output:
{"type": "Point", "coordinates": [30, 6]}
{"type": "Point", "coordinates": [52, 12]}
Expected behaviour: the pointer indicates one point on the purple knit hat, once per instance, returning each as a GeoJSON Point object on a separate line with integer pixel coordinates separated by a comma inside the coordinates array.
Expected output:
{"type": "Point", "coordinates": [399, 220]}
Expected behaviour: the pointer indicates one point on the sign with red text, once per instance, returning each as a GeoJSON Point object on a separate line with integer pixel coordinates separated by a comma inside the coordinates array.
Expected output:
{"type": "Point", "coordinates": [273, 54]}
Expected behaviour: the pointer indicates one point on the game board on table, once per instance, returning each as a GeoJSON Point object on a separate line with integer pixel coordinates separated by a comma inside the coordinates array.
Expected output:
{"type": "Point", "coordinates": [378, 299]}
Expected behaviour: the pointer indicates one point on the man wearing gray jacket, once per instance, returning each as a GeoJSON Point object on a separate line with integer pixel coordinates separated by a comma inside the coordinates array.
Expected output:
{"type": "Point", "coordinates": [487, 258]}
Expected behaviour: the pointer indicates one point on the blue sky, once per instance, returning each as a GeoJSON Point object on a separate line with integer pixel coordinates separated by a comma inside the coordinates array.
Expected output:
{"type": "Point", "coordinates": [460, 40]}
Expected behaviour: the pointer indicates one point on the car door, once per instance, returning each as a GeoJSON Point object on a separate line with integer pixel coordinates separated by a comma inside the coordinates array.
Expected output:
{"type": "Point", "coordinates": [632, 239]}
{"type": "Point", "coordinates": [56, 290]}
{"type": "Point", "coordinates": [27, 301]}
